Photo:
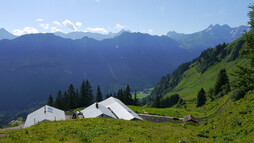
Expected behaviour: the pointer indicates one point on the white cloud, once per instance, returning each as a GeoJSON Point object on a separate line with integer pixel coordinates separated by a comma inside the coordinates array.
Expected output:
{"type": "Point", "coordinates": [70, 25]}
{"type": "Point", "coordinates": [39, 20]}
{"type": "Point", "coordinates": [45, 26]}
{"type": "Point", "coordinates": [98, 30]}
{"type": "Point", "coordinates": [57, 23]}
{"type": "Point", "coordinates": [79, 24]}
{"type": "Point", "coordinates": [150, 31]}
{"type": "Point", "coordinates": [119, 27]}
{"type": "Point", "coordinates": [54, 29]}
{"type": "Point", "coordinates": [26, 30]}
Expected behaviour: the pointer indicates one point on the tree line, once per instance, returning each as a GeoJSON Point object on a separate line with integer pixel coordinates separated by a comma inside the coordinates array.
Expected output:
{"type": "Point", "coordinates": [83, 97]}
{"type": "Point", "coordinates": [168, 101]}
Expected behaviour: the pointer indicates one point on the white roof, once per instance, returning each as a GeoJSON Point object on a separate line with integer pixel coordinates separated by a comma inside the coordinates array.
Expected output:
{"type": "Point", "coordinates": [93, 112]}
{"type": "Point", "coordinates": [44, 113]}
{"type": "Point", "coordinates": [119, 108]}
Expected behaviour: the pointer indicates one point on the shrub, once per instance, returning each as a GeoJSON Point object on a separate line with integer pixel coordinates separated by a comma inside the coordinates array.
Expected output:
{"type": "Point", "coordinates": [219, 95]}
{"type": "Point", "coordinates": [203, 134]}
{"type": "Point", "coordinates": [226, 89]}
{"type": "Point", "coordinates": [237, 94]}
{"type": "Point", "coordinates": [170, 101]}
{"type": "Point", "coordinates": [236, 122]}
{"type": "Point", "coordinates": [210, 93]}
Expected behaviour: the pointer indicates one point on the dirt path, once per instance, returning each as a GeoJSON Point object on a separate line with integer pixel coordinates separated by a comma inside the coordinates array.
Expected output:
{"type": "Point", "coordinates": [219, 111]}
{"type": "Point", "coordinates": [21, 126]}
{"type": "Point", "coordinates": [224, 106]}
{"type": "Point", "coordinates": [159, 119]}
{"type": "Point", "coordinates": [158, 116]}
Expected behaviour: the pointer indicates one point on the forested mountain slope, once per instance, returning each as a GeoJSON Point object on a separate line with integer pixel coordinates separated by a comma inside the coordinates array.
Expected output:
{"type": "Point", "coordinates": [201, 72]}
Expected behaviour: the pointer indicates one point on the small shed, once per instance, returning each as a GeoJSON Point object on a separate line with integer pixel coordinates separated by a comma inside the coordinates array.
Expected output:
{"type": "Point", "coordinates": [119, 109]}
{"type": "Point", "coordinates": [190, 118]}
{"type": "Point", "coordinates": [45, 113]}
{"type": "Point", "coordinates": [96, 110]}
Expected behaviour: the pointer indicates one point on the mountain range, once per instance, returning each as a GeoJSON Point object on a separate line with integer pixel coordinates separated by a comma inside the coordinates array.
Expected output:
{"type": "Point", "coordinates": [40, 64]}
{"type": "Point", "coordinates": [209, 37]}
{"type": "Point", "coordinates": [34, 65]}
{"type": "Point", "coordinates": [96, 36]}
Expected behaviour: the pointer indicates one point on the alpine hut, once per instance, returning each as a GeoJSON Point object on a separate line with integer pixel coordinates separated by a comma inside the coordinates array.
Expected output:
{"type": "Point", "coordinates": [110, 107]}
{"type": "Point", "coordinates": [96, 110]}
{"type": "Point", "coordinates": [45, 113]}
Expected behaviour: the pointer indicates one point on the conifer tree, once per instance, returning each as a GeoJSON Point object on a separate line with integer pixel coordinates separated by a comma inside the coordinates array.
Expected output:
{"type": "Point", "coordinates": [244, 75]}
{"type": "Point", "coordinates": [157, 102]}
{"type": "Point", "coordinates": [77, 99]}
{"type": "Point", "coordinates": [99, 95]}
{"type": "Point", "coordinates": [128, 96]}
{"type": "Point", "coordinates": [135, 101]}
{"type": "Point", "coordinates": [59, 100]}
{"type": "Point", "coordinates": [72, 99]}
{"type": "Point", "coordinates": [50, 100]}
{"type": "Point", "coordinates": [83, 102]}
{"type": "Point", "coordinates": [89, 92]}
{"type": "Point", "coordinates": [201, 98]}
{"type": "Point", "coordinates": [222, 81]}
{"type": "Point", "coordinates": [66, 101]}
{"type": "Point", "coordinates": [120, 95]}
{"type": "Point", "coordinates": [248, 49]}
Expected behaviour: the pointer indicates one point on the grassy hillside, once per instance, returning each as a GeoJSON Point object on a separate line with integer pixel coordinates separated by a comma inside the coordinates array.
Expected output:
{"type": "Point", "coordinates": [235, 124]}
{"type": "Point", "coordinates": [201, 72]}
{"type": "Point", "coordinates": [103, 130]}
{"type": "Point", "coordinates": [194, 81]}
{"type": "Point", "coordinates": [207, 110]}
{"type": "Point", "coordinates": [140, 95]}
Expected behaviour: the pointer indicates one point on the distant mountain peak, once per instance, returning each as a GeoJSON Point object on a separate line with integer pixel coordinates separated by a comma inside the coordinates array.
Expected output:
{"type": "Point", "coordinates": [121, 32]}
{"type": "Point", "coordinates": [209, 37]}
{"type": "Point", "coordinates": [226, 26]}
{"type": "Point", "coordinates": [218, 26]}
{"type": "Point", "coordinates": [210, 26]}
{"type": "Point", "coordinates": [4, 34]}
{"type": "Point", "coordinates": [3, 30]}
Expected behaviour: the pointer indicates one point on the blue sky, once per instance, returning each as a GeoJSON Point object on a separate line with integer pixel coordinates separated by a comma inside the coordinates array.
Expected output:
{"type": "Point", "coordinates": [148, 16]}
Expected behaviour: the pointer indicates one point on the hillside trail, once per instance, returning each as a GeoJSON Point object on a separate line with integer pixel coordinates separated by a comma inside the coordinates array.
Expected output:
{"type": "Point", "coordinates": [219, 111]}
{"type": "Point", "coordinates": [21, 126]}
{"type": "Point", "coordinates": [224, 106]}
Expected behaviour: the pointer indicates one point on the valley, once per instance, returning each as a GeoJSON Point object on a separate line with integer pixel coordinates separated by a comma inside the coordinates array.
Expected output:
{"type": "Point", "coordinates": [104, 71]}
